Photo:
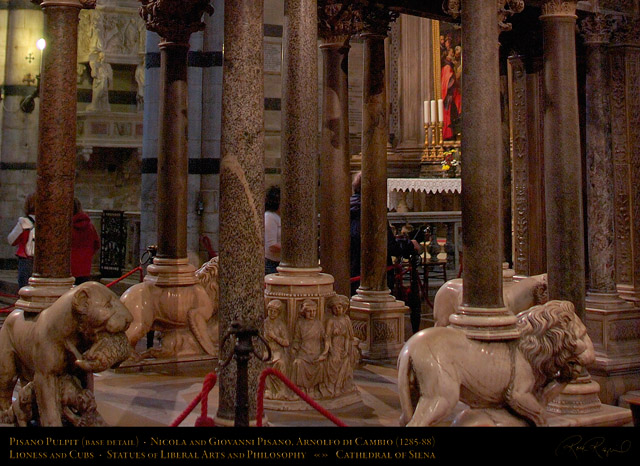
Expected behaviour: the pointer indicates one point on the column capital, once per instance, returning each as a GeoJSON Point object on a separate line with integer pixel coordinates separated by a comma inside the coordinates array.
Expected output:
{"type": "Point", "coordinates": [559, 9]}
{"type": "Point", "coordinates": [80, 4]}
{"type": "Point", "coordinates": [505, 9]}
{"type": "Point", "coordinates": [597, 29]}
{"type": "Point", "coordinates": [339, 20]}
{"type": "Point", "coordinates": [174, 20]}
{"type": "Point", "coordinates": [376, 20]}
{"type": "Point", "coordinates": [627, 32]}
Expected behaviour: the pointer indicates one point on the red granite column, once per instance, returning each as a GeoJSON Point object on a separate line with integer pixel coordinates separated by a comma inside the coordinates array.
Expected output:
{"type": "Point", "coordinates": [482, 314]}
{"type": "Point", "coordinates": [241, 190]}
{"type": "Point", "coordinates": [335, 27]}
{"type": "Point", "coordinates": [56, 156]}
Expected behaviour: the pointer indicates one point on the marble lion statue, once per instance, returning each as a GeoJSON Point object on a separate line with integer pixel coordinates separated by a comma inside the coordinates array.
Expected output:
{"type": "Point", "coordinates": [186, 316]}
{"type": "Point", "coordinates": [438, 367]}
{"type": "Point", "coordinates": [52, 352]}
{"type": "Point", "coordinates": [518, 296]}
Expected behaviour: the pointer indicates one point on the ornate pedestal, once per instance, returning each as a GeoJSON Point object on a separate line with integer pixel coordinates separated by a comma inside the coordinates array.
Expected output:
{"type": "Point", "coordinates": [295, 287]}
{"type": "Point", "coordinates": [378, 321]}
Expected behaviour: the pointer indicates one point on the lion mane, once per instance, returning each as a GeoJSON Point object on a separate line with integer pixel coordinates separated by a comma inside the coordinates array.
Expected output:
{"type": "Point", "coordinates": [548, 340]}
{"type": "Point", "coordinates": [207, 275]}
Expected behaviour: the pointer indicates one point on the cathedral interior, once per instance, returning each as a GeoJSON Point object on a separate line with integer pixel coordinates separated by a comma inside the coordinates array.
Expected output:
{"type": "Point", "coordinates": [502, 138]}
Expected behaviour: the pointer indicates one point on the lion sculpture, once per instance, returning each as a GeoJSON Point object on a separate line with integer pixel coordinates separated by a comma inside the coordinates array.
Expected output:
{"type": "Point", "coordinates": [518, 296]}
{"type": "Point", "coordinates": [438, 367]}
{"type": "Point", "coordinates": [52, 353]}
{"type": "Point", "coordinates": [186, 316]}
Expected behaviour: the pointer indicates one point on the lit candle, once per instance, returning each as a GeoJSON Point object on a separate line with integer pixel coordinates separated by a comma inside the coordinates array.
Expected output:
{"type": "Point", "coordinates": [425, 112]}
{"type": "Point", "coordinates": [434, 115]}
{"type": "Point", "coordinates": [440, 110]}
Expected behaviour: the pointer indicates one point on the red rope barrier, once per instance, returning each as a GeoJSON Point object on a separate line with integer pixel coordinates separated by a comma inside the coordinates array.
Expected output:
{"type": "Point", "coordinates": [292, 386]}
{"type": "Point", "coordinates": [7, 310]}
{"type": "Point", "coordinates": [6, 295]}
{"type": "Point", "coordinates": [124, 276]}
{"type": "Point", "coordinates": [203, 421]}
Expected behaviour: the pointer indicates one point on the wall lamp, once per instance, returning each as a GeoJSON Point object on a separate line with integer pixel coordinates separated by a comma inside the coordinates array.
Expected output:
{"type": "Point", "coordinates": [28, 104]}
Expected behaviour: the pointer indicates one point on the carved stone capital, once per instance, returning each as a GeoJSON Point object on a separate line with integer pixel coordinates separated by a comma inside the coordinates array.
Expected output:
{"type": "Point", "coordinates": [377, 20]}
{"type": "Point", "coordinates": [508, 8]}
{"type": "Point", "coordinates": [559, 9]}
{"type": "Point", "coordinates": [175, 20]}
{"type": "Point", "coordinates": [597, 29]}
{"type": "Point", "coordinates": [339, 20]}
{"type": "Point", "coordinates": [452, 8]}
{"type": "Point", "coordinates": [627, 32]}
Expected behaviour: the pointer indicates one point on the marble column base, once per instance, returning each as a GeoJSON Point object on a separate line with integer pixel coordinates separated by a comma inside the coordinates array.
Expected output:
{"type": "Point", "coordinates": [578, 397]}
{"type": "Point", "coordinates": [378, 321]}
{"type": "Point", "coordinates": [171, 272]}
{"type": "Point", "coordinates": [487, 324]}
{"type": "Point", "coordinates": [629, 293]}
{"type": "Point", "coordinates": [614, 327]}
{"type": "Point", "coordinates": [41, 293]}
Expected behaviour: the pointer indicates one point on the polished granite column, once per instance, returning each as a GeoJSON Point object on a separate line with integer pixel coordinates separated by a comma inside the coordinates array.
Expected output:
{"type": "Point", "coordinates": [241, 191]}
{"type": "Point", "coordinates": [617, 367]}
{"type": "Point", "coordinates": [482, 314]}
{"type": "Point", "coordinates": [56, 165]}
{"type": "Point", "coordinates": [563, 186]}
{"type": "Point", "coordinates": [335, 26]}
{"type": "Point", "coordinates": [563, 169]}
{"type": "Point", "coordinates": [378, 317]}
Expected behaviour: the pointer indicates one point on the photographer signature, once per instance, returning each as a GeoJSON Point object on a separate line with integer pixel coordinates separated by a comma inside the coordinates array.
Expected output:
{"type": "Point", "coordinates": [576, 445]}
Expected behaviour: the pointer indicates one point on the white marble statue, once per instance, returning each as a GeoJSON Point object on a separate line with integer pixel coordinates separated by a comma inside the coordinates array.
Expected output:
{"type": "Point", "coordinates": [277, 336]}
{"type": "Point", "coordinates": [440, 366]}
{"type": "Point", "coordinates": [308, 344]}
{"type": "Point", "coordinates": [52, 352]}
{"type": "Point", "coordinates": [102, 75]}
{"type": "Point", "coordinates": [186, 316]}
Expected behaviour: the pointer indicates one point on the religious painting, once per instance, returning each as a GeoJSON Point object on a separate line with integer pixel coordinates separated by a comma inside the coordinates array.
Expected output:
{"type": "Point", "coordinates": [447, 57]}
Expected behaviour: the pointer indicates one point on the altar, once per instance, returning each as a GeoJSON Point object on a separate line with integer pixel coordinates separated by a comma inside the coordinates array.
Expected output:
{"type": "Point", "coordinates": [423, 194]}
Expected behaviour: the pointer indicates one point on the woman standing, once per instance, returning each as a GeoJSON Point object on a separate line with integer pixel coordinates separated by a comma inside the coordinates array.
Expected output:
{"type": "Point", "coordinates": [20, 236]}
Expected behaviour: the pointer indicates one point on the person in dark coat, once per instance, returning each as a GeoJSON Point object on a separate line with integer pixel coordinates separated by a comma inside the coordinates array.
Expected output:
{"type": "Point", "coordinates": [84, 244]}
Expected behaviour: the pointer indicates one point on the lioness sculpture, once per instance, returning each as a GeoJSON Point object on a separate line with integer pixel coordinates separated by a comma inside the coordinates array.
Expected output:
{"type": "Point", "coordinates": [440, 366]}
{"type": "Point", "coordinates": [186, 316]}
{"type": "Point", "coordinates": [81, 332]}
{"type": "Point", "coordinates": [518, 296]}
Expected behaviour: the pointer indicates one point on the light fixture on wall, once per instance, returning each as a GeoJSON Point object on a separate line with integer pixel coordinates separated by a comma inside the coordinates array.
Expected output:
{"type": "Point", "coordinates": [27, 105]}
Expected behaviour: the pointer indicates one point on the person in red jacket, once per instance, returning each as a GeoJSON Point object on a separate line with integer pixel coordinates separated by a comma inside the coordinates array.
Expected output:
{"type": "Point", "coordinates": [84, 244]}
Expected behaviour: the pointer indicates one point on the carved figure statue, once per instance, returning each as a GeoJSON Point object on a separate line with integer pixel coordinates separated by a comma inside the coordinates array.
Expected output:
{"type": "Point", "coordinates": [102, 75]}
{"type": "Point", "coordinates": [339, 350]}
{"type": "Point", "coordinates": [276, 334]}
{"type": "Point", "coordinates": [184, 314]}
{"type": "Point", "coordinates": [139, 75]}
{"type": "Point", "coordinates": [52, 352]}
{"type": "Point", "coordinates": [308, 345]}
{"type": "Point", "coordinates": [518, 296]}
{"type": "Point", "coordinates": [440, 366]}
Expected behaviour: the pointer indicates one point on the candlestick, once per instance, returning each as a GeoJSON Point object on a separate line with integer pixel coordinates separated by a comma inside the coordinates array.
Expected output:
{"type": "Point", "coordinates": [434, 115]}
{"type": "Point", "coordinates": [425, 112]}
{"type": "Point", "coordinates": [440, 110]}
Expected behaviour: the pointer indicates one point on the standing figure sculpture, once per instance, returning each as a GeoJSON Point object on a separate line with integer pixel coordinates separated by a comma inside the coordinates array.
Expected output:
{"type": "Point", "coordinates": [277, 336]}
{"type": "Point", "coordinates": [102, 75]}
{"type": "Point", "coordinates": [339, 347]}
{"type": "Point", "coordinates": [308, 345]}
